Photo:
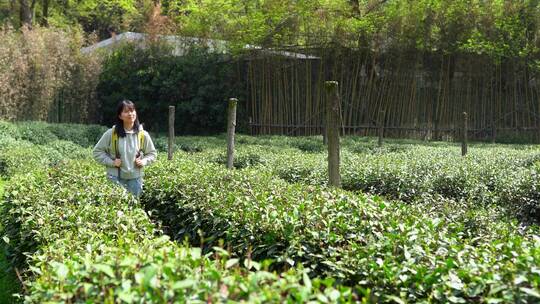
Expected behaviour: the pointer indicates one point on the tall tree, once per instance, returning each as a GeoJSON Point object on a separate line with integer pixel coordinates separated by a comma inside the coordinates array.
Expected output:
{"type": "Point", "coordinates": [27, 12]}
{"type": "Point", "coordinates": [45, 12]}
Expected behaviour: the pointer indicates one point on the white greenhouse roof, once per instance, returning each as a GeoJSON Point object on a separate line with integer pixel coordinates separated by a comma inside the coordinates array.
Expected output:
{"type": "Point", "coordinates": [180, 44]}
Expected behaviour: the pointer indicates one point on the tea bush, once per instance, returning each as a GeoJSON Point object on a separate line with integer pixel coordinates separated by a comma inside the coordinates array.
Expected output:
{"type": "Point", "coordinates": [308, 145]}
{"type": "Point", "coordinates": [241, 160]}
{"type": "Point", "coordinates": [290, 239]}
{"type": "Point", "coordinates": [36, 132]}
{"type": "Point", "coordinates": [82, 135]}
{"type": "Point", "coordinates": [20, 156]}
{"type": "Point", "coordinates": [43, 133]}
{"type": "Point", "coordinates": [487, 175]}
{"type": "Point", "coordinates": [8, 129]}
{"type": "Point", "coordinates": [393, 250]}
{"type": "Point", "coordinates": [87, 240]}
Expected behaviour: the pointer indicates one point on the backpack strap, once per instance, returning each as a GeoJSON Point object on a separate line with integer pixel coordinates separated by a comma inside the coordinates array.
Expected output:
{"type": "Point", "coordinates": [114, 143]}
{"type": "Point", "coordinates": [141, 138]}
{"type": "Point", "coordinates": [114, 146]}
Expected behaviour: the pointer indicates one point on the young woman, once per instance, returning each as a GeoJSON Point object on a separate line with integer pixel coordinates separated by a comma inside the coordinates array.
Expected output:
{"type": "Point", "coordinates": [126, 149]}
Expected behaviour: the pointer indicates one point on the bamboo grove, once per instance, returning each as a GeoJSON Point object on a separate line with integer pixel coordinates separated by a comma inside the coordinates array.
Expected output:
{"type": "Point", "coordinates": [414, 66]}
{"type": "Point", "coordinates": [412, 94]}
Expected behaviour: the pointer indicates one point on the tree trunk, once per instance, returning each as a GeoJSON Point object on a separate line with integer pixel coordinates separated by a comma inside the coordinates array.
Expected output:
{"type": "Point", "coordinates": [231, 125]}
{"type": "Point", "coordinates": [13, 7]}
{"type": "Point", "coordinates": [332, 131]}
{"type": "Point", "coordinates": [45, 10]}
{"type": "Point", "coordinates": [170, 146]}
{"type": "Point", "coordinates": [27, 12]}
{"type": "Point", "coordinates": [464, 135]}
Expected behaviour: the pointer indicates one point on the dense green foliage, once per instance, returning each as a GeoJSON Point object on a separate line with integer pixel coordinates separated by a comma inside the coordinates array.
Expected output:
{"type": "Point", "coordinates": [8, 281]}
{"type": "Point", "coordinates": [102, 17]}
{"type": "Point", "coordinates": [198, 84]}
{"type": "Point", "coordinates": [27, 146]}
{"type": "Point", "coordinates": [105, 248]}
{"type": "Point", "coordinates": [504, 175]}
{"type": "Point", "coordinates": [451, 241]}
{"type": "Point", "coordinates": [495, 28]}
{"type": "Point", "coordinates": [77, 258]}
{"type": "Point", "coordinates": [43, 133]}
{"type": "Point", "coordinates": [487, 48]}
{"type": "Point", "coordinates": [387, 248]}
{"type": "Point", "coordinates": [44, 77]}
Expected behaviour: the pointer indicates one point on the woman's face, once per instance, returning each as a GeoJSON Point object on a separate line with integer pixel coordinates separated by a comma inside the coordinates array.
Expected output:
{"type": "Point", "coordinates": [128, 115]}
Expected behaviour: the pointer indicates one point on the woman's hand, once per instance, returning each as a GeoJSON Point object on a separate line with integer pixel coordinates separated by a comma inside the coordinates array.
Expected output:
{"type": "Point", "coordinates": [117, 162]}
{"type": "Point", "coordinates": [139, 162]}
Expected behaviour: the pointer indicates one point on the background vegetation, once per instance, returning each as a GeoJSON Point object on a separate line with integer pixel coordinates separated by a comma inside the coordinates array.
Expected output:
{"type": "Point", "coordinates": [424, 62]}
{"type": "Point", "coordinates": [198, 84]}
{"type": "Point", "coordinates": [463, 230]}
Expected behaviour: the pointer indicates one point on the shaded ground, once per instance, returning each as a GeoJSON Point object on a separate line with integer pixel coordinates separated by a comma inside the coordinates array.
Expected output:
{"type": "Point", "coordinates": [8, 279]}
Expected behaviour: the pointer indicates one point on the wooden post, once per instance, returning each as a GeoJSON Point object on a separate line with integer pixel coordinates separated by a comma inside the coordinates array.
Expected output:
{"type": "Point", "coordinates": [493, 133]}
{"type": "Point", "coordinates": [381, 128]}
{"type": "Point", "coordinates": [250, 126]}
{"type": "Point", "coordinates": [464, 135]}
{"type": "Point", "coordinates": [493, 129]}
{"type": "Point", "coordinates": [230, 131]}
{"type": "Point", "coordinates": [171, 133]}
{"type": "Point", "coordinates": [332, 131]}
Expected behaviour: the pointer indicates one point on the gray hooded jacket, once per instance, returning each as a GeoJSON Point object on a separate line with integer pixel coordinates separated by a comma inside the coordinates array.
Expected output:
{"type": "Point", "coordinates": [128, 147]}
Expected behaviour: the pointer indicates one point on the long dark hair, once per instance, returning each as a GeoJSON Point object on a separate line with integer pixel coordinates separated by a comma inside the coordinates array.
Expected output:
{"type": "Point", "coordinates": [119, 127]}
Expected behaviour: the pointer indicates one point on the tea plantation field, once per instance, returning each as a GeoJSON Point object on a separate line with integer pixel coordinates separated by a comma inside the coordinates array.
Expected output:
{"type": "Point", "coordinates": [414, 223]}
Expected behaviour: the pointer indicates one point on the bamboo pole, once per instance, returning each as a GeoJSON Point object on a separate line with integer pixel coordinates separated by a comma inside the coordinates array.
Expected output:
{"type": "Point", "coordinates": [464, 135]}
{"type": "Point", "coordinates": [230, 131]}
{"type": "Point", "coordinates": [352, 101]}
{"type": "Point", "coordinates": [253, 97]}
{"type": "Point", "coordinates": [332, 127]}
{"type": "Point", "coordinates": [381, 128]}
{"type": "Point", "coordinates": [297, 96]}
{"type": "Point", "coordinates": [290, 92]}
{"type": "Point", "coordinates": [170, 147]}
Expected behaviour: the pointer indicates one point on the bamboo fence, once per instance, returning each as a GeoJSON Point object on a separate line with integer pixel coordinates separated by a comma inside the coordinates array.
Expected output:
{"type": "Point", "coordinates": [423, 95]}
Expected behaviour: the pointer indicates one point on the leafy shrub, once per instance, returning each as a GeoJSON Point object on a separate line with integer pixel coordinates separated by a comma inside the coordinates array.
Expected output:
{"type": "Point", "coordinates": [36, 132]}
{"type": "Point", "coordinates": [44, 76]}
{"type": "Point", "coordinates": [70, 132]}
{"type": "Point", "coordinates": [411, 173]}
{"type": "Point", "coordinates": [241, 161]}
{"type": "Point", "coordinates": [82, 135]}
{"type": "Point", "coordinates": [69, 150]}
{"type": "Point", "coordinates": [391, 249]}
{"type": "Point", "coordinates": [300, 168]}
{"type": "Point", "coordinates": [43, 133]}
{"type": "Point", "coordinates": [308, 145]}
{"type": "Point", "coordinates": [198, 84]}
{"type": "Point", "coordinates": [452, 183]}
{"type": "Point", "coordinates": [372, 148]}
{"type": "Point", "coordinates": [521, 193]}
{"type": "Point", "coordinates": [93, 133]}
{"type": "Point", "coordinates": [161, 144]}
{"type": "Point", "coordinates": [9, 129]}
{"type": "Point", "coordinates": [97, 245]}
{"type": "Point", "coordinates": [74, 225]}
{"type": "Point", "coordinates": [23, 157]}
{"type": "Point", "coordinates": [190, 147]}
